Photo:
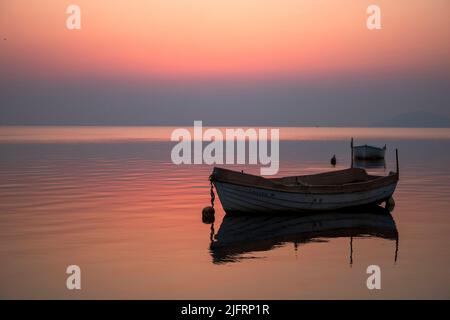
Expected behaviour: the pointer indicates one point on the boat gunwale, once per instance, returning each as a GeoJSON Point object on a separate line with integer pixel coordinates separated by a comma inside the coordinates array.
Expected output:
{"type": "Point", "coordinates": [370, 147]}
{"type": "Point", "coordinates": [270, 185]}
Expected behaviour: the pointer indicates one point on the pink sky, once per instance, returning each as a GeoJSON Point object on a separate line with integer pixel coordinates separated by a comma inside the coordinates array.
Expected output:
{"type": "Point", "coordinates": [179, 38]}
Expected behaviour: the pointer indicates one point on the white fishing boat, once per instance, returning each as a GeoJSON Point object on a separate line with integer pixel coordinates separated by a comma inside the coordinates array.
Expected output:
{"type": "Point", "coordinates": [366, 152]}
{"type": "Point", "coordinates": [241, 192]}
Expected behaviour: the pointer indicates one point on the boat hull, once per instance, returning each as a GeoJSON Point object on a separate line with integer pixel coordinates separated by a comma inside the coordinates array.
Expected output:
{"type": "Point", "coordinates": [246, 199]}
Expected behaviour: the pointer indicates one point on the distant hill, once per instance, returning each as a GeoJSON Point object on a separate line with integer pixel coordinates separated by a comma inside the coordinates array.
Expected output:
{"type": "Point", "coordinates": [422, 119]}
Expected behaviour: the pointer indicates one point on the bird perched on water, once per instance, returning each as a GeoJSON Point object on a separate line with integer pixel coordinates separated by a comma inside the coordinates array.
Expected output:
{"type": "Point", "coordinates": [333, 160]}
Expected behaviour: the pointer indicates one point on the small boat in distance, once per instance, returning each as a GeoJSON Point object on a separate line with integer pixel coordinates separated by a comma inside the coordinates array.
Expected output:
{"type": "Point", "coordinates": [366, 152]}
{"type": "Point", "coordinates": [245, 193]}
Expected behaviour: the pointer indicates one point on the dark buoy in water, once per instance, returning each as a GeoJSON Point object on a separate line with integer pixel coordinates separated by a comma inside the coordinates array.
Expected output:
{"type": "Point", "coordinates": [333, 160]}
{"type": "Point", "coordinates": [208, 215]}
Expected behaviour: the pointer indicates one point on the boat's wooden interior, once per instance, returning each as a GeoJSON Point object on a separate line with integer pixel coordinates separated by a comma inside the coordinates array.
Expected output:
{"type": "Point", "coordinates": [340, 181]}
{"type": "Point", "coordinates": [369, 147]}
{"type": "Point", "coordinates": [340, 177]}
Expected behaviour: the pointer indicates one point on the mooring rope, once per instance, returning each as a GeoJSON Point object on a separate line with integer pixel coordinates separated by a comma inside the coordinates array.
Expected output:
{"type": "Point", "coordinates": [211, 234]}
{"type": "Point", "coordinates": [213, 196]}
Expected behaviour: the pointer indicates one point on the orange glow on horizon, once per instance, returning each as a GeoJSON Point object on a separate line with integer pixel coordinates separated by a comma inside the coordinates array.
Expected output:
{"type": "Point", "coordinates": [198, 37]}
{"type": "Point", "coordinates": [91, 134]}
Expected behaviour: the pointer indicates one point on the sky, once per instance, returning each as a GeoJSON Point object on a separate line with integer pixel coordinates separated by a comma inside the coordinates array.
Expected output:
{"type": "Point", "coordinates": [226, 62]}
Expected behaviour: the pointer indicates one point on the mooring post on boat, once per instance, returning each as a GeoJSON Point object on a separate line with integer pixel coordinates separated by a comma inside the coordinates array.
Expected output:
{"type": "Point", "coordinates": [351, 147]}
{"type": "Point", "coordinates": [396, 160]}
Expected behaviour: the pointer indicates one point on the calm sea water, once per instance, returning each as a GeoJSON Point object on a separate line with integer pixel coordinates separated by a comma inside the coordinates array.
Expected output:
{"type": "Point", "coordinates": [111, 201]}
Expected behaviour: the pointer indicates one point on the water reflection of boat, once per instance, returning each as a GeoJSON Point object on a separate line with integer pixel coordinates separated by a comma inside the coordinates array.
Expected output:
{"type": "Point", "coordinates": [369, 164]}
{"type": "Point", "coordinates": [239, 235]}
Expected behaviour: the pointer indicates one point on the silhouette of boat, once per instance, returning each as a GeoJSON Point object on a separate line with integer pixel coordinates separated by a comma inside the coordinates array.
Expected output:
{"type": "Point", "coordinates": [240, 192]}
{"type": "Point", "coordinates": [366, 152]}
{"type": "Point", "coordinates": [239, 235]}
